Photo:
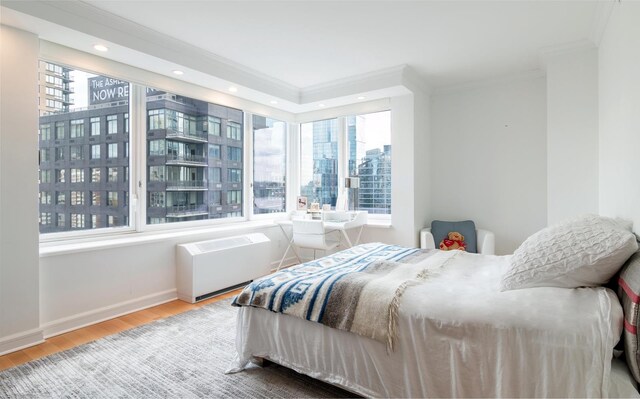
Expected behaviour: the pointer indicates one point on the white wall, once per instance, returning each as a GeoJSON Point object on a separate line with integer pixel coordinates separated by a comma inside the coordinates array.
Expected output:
{"type": "Point", "coordinates": [572, 134]}
{"type": "Point", "coordinates": [489, 158]}
{"type": "Point", "coordinates": [19, 284]}
{"type": "Point", "coordinates": [619, 102]}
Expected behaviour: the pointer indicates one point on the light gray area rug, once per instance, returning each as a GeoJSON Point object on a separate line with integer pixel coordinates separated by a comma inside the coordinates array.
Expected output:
{"type": "Point", "coordinates": [183, 356]}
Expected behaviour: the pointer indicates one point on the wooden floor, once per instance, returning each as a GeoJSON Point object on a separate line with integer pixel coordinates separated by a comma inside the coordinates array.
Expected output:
{"type": "Point", "coordinates": [97, 331]}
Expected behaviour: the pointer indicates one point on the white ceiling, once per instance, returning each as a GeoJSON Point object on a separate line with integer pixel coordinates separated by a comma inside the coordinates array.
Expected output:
{"type": "Point", "coordinates": [294, 50]}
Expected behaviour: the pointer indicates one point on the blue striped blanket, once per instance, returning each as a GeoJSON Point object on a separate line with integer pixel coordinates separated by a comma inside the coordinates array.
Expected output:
{"type": "Point", "coordinates": [351, 290]}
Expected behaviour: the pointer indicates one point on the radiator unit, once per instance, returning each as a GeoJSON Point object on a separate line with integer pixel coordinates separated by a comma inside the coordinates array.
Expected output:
{"type": "Point", "coordinates": [209, 267]}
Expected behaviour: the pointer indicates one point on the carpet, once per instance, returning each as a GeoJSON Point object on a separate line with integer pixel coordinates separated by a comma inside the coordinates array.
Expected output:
{"type": "Point", "coordinates": [183, 356]}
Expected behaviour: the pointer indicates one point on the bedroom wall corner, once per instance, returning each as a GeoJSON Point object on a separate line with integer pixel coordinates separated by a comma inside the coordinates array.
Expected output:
{"type": "Point", "coordinates": [19, 277]}
{"type": "Point", "coordinates": [422, 161]}
{"type": "Point", "coordinates": [488, 157]}
{"type": "Point", "coordinates": [619, 114]}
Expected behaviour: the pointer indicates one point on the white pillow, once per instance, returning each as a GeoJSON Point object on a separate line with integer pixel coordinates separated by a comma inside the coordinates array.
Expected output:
{"type": "Point", "coordinates": [581, 252]}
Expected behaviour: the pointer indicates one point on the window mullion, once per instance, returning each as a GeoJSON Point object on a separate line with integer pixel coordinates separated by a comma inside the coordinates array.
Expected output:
{"type": "Point", "coordinates": [248, 166]}
{"type": "Point", "coordinates": [343, 162]}
{"type": "Point", "coordinates": [138, 140]}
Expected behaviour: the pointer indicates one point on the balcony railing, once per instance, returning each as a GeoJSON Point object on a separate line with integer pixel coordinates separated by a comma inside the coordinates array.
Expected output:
{"type": "Point", "coordinates": [197, 136]}
{"type": "Point", "coordinates": [178, 211]}
{"type": "Point", "coordinates": [186, 159]}
{"type": "Point", "coordinates": [186, 185]}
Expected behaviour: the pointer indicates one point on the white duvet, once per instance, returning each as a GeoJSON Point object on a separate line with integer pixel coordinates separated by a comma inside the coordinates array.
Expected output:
{"type": "Point", "coordinates": [457, 336]}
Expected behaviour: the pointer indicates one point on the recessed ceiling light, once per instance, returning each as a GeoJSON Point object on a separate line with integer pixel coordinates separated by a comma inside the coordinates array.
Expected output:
{"type": "Point", "coordinates": [101, 47]}
{"type": "Point", "coordinates": [273, 102]}
{"type": "Point", "coordinates": [361, 97]}
{"type": "Point", "coordinates": [233, 89]}
{"type": "Point", "coordinates": [320, 105]}
{"type": "Point", "coordinates": [178, 72]}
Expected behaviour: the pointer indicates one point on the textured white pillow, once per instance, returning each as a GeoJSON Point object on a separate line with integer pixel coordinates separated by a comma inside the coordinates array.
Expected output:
{"type": "Point", "coordinates": [581, 252]}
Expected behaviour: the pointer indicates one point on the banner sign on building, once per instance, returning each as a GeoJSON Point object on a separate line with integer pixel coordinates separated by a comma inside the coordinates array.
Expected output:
{"type": "Point", "coordinates": [107, 90]}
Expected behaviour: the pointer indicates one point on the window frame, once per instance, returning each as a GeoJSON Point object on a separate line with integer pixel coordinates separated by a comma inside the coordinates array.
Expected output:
{"type": "Point", "coordinates": [139, 81]}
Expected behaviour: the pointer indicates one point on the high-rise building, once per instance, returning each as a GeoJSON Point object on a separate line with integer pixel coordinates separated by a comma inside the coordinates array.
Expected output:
{"type": "Point", "coordinates": [323, 188]}
{"type": "Point", "coordinates": [374, 171]}
{"type": "Point", "coordinates": [55, 88]}
{"type": "Point", "coordinates": [194, 156]}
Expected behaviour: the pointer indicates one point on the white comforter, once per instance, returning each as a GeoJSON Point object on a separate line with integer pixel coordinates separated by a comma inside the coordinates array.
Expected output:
{"type": "Point", "coordinates": [458, 336]}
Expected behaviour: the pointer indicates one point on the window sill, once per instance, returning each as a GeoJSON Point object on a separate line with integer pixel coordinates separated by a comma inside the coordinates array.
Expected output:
{"type": "Point", "coordinates": [379, 224]}
{"type": "Point", "coordinates": [135, 238]}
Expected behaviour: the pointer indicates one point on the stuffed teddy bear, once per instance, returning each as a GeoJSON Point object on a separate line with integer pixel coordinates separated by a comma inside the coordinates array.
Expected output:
{"type": "Point", "coordinates": [455, 240]}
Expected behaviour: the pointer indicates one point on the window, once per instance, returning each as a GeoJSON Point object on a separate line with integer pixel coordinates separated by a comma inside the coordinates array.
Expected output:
{"type": "Point", "coordinates": [45, 176]}
{"type": "Point", "coordinates": [77, 221]}
{"type": "Point", "coordinates": [45, 218]}
{"type": "Point", "coordinates": [234, 175]}
{"type": "Point", "coordinates": [112, 198]}
{"type": "Point", "coordinates": [59, 130]}
{"type": "Point", "coordinates": [234, 197]}
{"type": "Point", "coordinates": [214, 175]}
{"type": "Point", "coordinates": [156, 199]}
{"type": "Point", "coordinates": [45, 197]}
{"type": "Point", "coordinates": [96, 198]}
{"type": "Point", "coordinates": [269, 165]}
{"type": "Point", "coordinates": [96, 221]}
{"type": "Point", "coordinates": [77, 198]}
{"type": "Point", "coordinates": [214, 151]}
{"type": "Point", "coordinates": [156, 147]}
{"type": "Point", "coordinates": [77, 175]}
{"type": "Point", "coordinates": [60, 153]}
{"type": "Point", "coordinates": [214, 125]}
{"type": "Point", "coordinates": [75, 153]}
{"type": "Point", "coordinates": [156, 173]}
{"type": "Point", "coordinates": [77, 128]}
{"type": "Point", "coordinates": [60, 222]}
{"type": "Point", "coordinates": [95, 175]}
{"type": "Point", "coordinates": [45, 155]}
{"type": "Point", "coordinates": [95, 126]}
{"type": "Point", "coordinates": [369, 154]}
{"type": "Point", "coordinates": [102, 104]}
{"type": "Point", "coordinates": [112, 124]}
{"type": "Point", "coordinates": [45, 135]}
{"type": "Point", "coordinates": [234, 130]}
{"type": "Point", "coordinates": [112, 150]}
{"type": "Point", "coordinates": [95, 151]}
{"type": "Point", "coordinates": [319, 161]}
{"type": "Point", "coordinates": [112, 175]}
{"type": "Point", "coordinates": [156, 119]}
{"type": "Point", "coordinates": [234, 154]}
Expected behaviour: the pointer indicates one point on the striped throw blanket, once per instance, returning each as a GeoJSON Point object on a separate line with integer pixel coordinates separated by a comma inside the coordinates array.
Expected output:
{"type": "Point", "coordinates": [356, 290]}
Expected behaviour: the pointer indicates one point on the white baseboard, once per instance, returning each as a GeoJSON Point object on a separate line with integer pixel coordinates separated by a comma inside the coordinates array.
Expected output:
{"type": "Point", "coordinates": [290, 261]}
{"type": "Point", "coordinates": [84, 319]}
{"type": "Point", "coordinates": [21, 340]}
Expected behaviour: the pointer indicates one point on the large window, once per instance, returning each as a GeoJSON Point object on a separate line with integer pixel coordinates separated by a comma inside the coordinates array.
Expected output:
{"type": "Point", "coordinates": [319, 161]}
{"type": "Point", "coordinates": [367, 144]}
{"type": "Point", "coordinates": [84, 99]}
{"type": "Point", "coordinates": [369, 152]}
{"type": "Point", "coordinates": [269, 165]}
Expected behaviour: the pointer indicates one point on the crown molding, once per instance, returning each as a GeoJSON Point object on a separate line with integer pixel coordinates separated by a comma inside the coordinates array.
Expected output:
{"type": "Point", "coordinates": [88, 19]}
{"type": "Point", "coordinates": [601, 20]}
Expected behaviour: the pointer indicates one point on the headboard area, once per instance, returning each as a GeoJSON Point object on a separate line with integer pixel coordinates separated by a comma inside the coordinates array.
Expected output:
{"type": "Point", "coordinates": [627, 285]}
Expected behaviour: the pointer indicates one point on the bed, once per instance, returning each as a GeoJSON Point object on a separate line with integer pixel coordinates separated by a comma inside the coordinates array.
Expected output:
{"type": "Point", "coordinates": [455, 333]}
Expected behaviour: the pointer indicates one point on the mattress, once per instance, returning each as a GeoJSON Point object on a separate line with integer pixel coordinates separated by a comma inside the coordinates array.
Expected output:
{"type": "Point", "coordinates": [458, 336]}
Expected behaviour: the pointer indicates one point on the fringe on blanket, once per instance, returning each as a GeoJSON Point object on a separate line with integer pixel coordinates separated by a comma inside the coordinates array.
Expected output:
{"type": "Point", "coordinates": [392, 325]}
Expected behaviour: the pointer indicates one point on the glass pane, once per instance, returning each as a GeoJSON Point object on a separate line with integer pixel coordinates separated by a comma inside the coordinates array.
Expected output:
{"type": "Point", "coordinates": [78, 110]}
{"type": "Point", "coordinates": [369, 146]}
{"type": "Point", "coordinates": [269, 165]}
{"type": "Point", "coordinates": [191, 166]}
{"type": "Point", "coordinates": [319, 161]}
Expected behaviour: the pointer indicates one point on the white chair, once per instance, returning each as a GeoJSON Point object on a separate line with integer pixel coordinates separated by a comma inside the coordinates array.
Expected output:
{"type": "Point", "coordinates": [486, 241]}
{"type": "Point", "coordinates": [309, 234]}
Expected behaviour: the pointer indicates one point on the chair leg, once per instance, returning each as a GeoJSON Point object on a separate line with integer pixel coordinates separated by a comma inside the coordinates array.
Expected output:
{"type": "Point", "coordinates": [314, 254]}
{"type": "Point", "coordinates": [283, 256]}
